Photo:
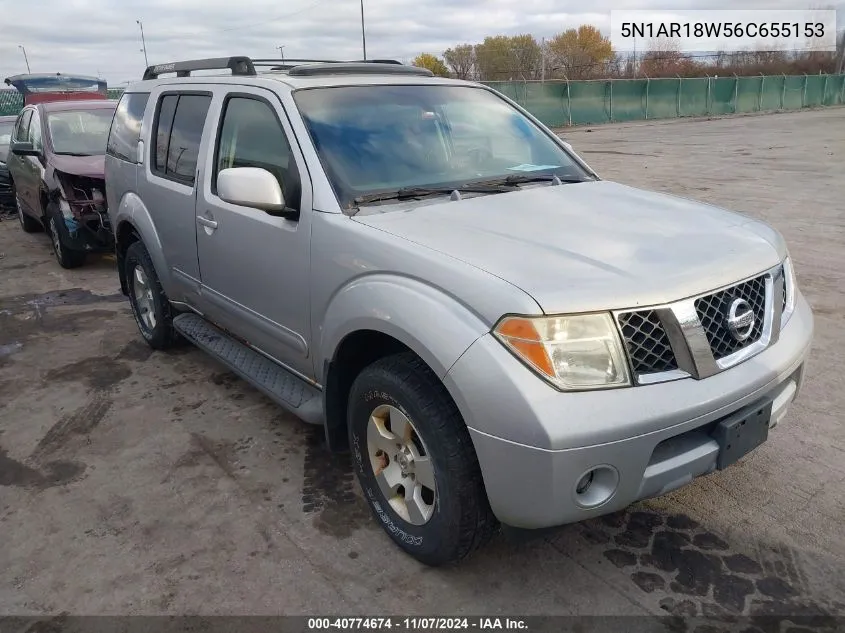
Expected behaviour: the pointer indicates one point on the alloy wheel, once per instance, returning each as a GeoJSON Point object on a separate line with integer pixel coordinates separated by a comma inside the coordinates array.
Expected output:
{"type": "Point", "coordinates": [143, 293]}
{"type": "Point", "coordinates": [401, 464]}
{"type": "Point", "coordinates": [20, 211]}
{"type": "Point", "coordinates": [54, 235]}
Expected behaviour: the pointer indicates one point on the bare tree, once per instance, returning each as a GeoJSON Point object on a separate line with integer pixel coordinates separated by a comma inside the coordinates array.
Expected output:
{"type": "Point", "coordinates": [663, 58]}
{"type": "Point", "coordinates": [461, 60]}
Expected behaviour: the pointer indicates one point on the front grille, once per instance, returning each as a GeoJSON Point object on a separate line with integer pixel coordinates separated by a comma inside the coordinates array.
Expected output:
{"type": "Point", "coordinates": [712, 312]}
{"type": "Point", "coordinates": [647, 343]}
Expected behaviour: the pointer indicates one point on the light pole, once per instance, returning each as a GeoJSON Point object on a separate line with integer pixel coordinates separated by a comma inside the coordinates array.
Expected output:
{"type": "Point", "coordinates": [842, 58]}
{"type": "Point", "coordinates": [143, 42]}
{"type": "Point", "coordinates": [282, 51]}
{"type": "Point", "coordinates": [25, 58]}
{"type": "Point", "coordinates": [363, 36]}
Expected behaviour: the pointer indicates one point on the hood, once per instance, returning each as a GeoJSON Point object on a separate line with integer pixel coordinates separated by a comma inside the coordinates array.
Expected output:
{"type": "Point", "coordinates": [90, 166]}
{"type": "Point", "coordinates": [591, 246]}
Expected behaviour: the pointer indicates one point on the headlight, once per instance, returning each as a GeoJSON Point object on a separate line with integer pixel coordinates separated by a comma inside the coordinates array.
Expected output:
{"type": "Point", "coordinates": [790, 289]}
{"type": "Point", "coordinates": [572, 352]}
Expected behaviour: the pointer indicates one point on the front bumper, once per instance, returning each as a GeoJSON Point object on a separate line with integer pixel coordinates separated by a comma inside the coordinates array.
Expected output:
{"type": "Point", "coordinates": [535, 443]}
{"type": "Point", "coordinates": [89, 231]}
{"type": "Point", "coordinates": [87, 236]}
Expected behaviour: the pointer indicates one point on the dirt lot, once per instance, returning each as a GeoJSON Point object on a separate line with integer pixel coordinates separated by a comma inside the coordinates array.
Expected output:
{"type": "Point", "coordinates": [140, 482]}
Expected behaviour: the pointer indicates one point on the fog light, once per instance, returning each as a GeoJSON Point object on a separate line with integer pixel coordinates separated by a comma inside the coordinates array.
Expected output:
{"type": "Point", "coordinates": [596, 486]}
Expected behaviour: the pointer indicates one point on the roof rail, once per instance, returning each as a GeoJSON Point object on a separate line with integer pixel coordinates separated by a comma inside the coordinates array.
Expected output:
{"type": "Point", "coordinates": [242, 65]}
{"type": "Point", "coordinates": [358, 68]}
{"type": "Point", "coordinates": [238, 65]}
{"type": "Point", "coordinates": [293, 61]}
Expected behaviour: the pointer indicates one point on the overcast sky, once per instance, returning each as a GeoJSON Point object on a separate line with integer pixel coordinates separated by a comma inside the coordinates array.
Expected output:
{"type": "Point", "coordinates": [101, 36]}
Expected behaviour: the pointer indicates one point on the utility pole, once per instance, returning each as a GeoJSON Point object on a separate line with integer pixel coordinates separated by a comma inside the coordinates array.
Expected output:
{"type": "Point", "coordinates": [634, 65]}
{"type": "Point", "coordinates": [282, 51]}
{"type": "Point", "coordinates": [143, 43]}
{"type": "Point", "coordinates": [363, 36]}
{"type": "Point", "coordinates": [25, 58]}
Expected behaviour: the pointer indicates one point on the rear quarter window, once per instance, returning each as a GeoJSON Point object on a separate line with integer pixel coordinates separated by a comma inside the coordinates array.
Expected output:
{"type": "Point", "coordinates": [126, 126]}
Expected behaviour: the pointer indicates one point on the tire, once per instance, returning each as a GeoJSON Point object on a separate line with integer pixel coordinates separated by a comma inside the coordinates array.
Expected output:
{"type": "Point", "coordinates": [456, 516]}
{"type": "Point", "coordinates": [28, 223]}
{"type": "Point", "coordinates": [67, 257]}
{"type": "Point", "coordinates": [146, 297]}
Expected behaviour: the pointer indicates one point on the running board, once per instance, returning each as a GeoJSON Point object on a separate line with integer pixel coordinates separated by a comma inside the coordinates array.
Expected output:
{"type": "Point", "coordinates": [291, 392]}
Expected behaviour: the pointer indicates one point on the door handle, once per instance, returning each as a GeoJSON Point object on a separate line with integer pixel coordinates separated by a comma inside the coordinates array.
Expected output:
{"type": "Point", "coordinates": [211, 224]}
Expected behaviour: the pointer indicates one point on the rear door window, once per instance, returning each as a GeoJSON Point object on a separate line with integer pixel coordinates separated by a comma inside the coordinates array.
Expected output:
{"type": "Point", "coordinates": [126, 126]}
{"type": "Point", "coordinates": [178, 135]}
{"type": "Point", "coordinates": [164, 122]}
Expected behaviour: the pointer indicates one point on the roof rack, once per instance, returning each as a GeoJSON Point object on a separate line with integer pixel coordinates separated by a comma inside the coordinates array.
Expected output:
{"type": "Point", "coordinates": [241, 65]}
{"type": "Point", "coordinates": [238, 66]}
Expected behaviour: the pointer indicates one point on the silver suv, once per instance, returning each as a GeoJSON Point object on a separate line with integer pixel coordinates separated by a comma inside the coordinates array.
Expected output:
{"type": "Point", "coordinates": [422, 268]}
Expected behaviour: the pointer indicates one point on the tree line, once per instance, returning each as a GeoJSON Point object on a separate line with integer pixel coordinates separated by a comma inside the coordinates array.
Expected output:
{"type": "Point", "coordinates": [584, 53]}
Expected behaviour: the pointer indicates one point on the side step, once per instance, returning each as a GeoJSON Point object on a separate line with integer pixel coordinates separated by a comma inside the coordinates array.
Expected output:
{"type": "Point", "coordinates": [291, 392]}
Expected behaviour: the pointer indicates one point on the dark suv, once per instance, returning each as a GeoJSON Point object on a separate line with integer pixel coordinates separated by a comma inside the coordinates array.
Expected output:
{"type": "Point", "coordinates": [55, 164]}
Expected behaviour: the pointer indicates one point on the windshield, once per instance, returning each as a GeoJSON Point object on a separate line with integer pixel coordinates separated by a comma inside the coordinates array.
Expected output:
{"type": "Point", "coordinates": [80, 132]}
{"type": "Point", "coordinates": [6, 129]}
{"type": "Point", "coordinates": [382, 138]}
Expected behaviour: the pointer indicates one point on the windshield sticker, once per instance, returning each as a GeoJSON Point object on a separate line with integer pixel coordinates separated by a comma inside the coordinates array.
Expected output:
{"type": "Point", "coordinates": [529, 167]}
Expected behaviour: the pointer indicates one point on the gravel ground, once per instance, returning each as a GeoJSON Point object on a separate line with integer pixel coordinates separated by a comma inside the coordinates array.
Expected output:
{"type": "Point", "coordinates": [142, 482]}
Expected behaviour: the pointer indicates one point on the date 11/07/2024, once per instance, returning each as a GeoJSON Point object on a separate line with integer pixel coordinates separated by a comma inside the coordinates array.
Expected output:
{"type": "Point", "coordinates": [417, 624]}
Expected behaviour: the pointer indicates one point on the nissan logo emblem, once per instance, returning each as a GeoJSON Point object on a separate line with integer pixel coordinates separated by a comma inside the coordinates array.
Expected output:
{"type": "Point", "coordinates": [740, 319]}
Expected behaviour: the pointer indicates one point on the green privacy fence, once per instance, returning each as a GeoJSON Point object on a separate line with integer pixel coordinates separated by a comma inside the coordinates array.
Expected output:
{"type": "Point", "coordinates": [11, 101]}
{"type": "Point", "coordinates": [561, 103]}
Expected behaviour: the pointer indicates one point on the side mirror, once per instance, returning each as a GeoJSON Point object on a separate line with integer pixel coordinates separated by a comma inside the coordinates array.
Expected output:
{"type": "Point", "coordinates": [24, 148]}
{"type": "Point", "coordinates": [253, 187]}
{"type": "Point", "coordinates": [568, 146]}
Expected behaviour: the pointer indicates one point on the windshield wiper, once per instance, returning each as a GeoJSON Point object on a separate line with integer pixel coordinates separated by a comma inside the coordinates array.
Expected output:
{"type": "Point", "coordinates": [518, 179]}
{"type": "Point", "coordinates": [408, 193]}
{"type": "Point", "coordinates": [72, 154]}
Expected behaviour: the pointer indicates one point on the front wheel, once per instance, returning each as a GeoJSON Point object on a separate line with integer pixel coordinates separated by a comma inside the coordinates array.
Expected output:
{"type": "Point", "coordinates": [415, 461]}
{"type": "Point", "coordinates": [67, 257]}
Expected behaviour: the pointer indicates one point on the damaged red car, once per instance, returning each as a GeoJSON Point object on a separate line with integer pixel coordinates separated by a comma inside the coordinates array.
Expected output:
{"type": "Point", "coordinates": [55, 163]}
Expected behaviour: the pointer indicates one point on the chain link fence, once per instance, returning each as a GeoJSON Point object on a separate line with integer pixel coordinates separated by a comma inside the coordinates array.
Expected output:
{"type": "Point", "coordinates": [563, 103]}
